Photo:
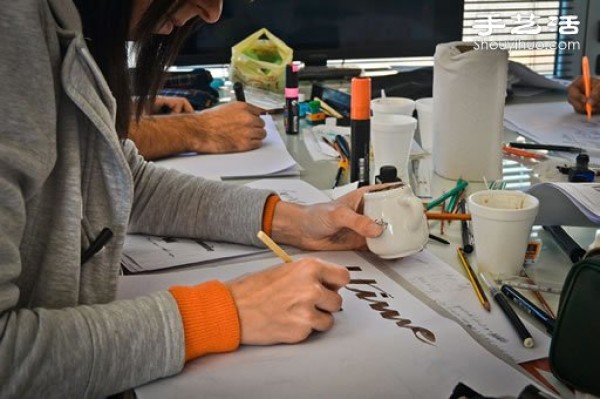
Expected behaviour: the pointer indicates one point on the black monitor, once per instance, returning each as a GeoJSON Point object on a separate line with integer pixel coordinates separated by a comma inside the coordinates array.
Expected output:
{"type": "Point", "coordinates": [321, 30]}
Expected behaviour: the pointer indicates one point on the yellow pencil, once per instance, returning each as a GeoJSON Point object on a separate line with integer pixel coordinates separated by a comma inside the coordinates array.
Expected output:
{"type": "Point", "coordinates": [474, 282]}
{"type": "Point", "coordinates": [277, 250]}
{"type": "Point", "coordinates": [329, 109]}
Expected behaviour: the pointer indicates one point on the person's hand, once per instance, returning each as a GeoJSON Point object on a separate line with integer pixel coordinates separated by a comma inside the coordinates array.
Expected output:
{"type": "Point", "coordinates": [337, 225]}
{"type": "Point", "coordinates": [174, 105]}
{"type": "Point", "coordinates": [576, 95]}
{"type": "Point", "coordinates": [231, 127]}
{"type": "Point", "coordinates": [286, 303]}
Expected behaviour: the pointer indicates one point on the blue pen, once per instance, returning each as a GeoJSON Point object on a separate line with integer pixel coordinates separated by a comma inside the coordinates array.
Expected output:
{"type": "Point", "coordinates": [529, 307]}
{"type": "Point", "coordinates": [343, 143]}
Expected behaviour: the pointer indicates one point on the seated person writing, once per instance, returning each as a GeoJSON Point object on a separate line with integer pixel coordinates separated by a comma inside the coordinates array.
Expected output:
{"type": "Point", "coordinates": [231, 127]}
{"type": "Point", "coordinates": [69, 175]}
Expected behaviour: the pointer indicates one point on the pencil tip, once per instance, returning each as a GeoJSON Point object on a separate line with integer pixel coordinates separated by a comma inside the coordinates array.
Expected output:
{"type": "Point", "coordinates": [487, 306]}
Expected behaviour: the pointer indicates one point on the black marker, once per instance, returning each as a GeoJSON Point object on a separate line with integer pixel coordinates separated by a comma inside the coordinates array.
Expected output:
{"type": "Point", "coordinates": [238, 89]}
{"type": "Point", "coordinates": [510, 314]}
{"type": "Point", "coordinates": [529, 307]}
{"type": "Point", "coordinates": [96, 245]}
{"type": "Point", "coordinates": [360, 128]}
{"type": "Point", "coordinates": [467, 239]}
{"type": "Point", "coordinates": [548, 147]}
{"type": "Point", "coordinates": [291, 112]}
{"type": "Point", "coordinates": [566, 243]}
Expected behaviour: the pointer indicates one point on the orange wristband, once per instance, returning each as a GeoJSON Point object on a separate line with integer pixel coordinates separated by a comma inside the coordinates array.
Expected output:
{"type": "Point", "coordinates": [269, 212]}
{"type": "Point", "coordinates": [210, 318]}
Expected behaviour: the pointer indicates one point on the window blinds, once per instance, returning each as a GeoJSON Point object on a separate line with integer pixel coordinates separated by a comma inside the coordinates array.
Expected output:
{"type": "Point", "coordinates": [540, 34]}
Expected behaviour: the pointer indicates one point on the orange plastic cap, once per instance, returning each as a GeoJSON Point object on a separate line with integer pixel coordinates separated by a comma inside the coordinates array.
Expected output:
{"type": "Point", "coordinates": [360, 100]}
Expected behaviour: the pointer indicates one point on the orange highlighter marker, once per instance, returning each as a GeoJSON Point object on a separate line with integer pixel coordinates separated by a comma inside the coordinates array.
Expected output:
{"type": "Point", "coordinates": [587, 84]}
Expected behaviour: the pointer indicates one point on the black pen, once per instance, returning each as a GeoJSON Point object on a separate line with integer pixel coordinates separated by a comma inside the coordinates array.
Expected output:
{"type": "Point", "coordinates": [529, 307]}
{"type": "Point", "coordinates": [549, 147]}
{"type": "Point", "coordinates": [438, 239]}
{"type": "Point", "coordinates": [467, 239]}
{"type": "Point", "coordinates": [517, 324]}
{"type": "Point", "coordinates": [566, 243]}
{"type": "Point", "coordinates": [238, 89]}
{"type": "Point", "coordinates": [96, 245]}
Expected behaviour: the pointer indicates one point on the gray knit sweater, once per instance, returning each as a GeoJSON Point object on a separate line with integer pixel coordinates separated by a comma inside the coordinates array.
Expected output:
{"type": "Point", "coordinates": [64, 176]}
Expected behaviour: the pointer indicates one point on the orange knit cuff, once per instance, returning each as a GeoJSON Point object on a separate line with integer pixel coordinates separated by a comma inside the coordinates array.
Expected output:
{"type": "Point", "coordinates": [269, 212]}
{"type": "Point", "coordinates": [210, 318]}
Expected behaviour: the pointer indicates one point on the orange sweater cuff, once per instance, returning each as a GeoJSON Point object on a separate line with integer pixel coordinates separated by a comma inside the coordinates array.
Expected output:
{"type": "Point", "coordinates": [210, 318]}
{"type": "Point", "coordinates": [269, 212]}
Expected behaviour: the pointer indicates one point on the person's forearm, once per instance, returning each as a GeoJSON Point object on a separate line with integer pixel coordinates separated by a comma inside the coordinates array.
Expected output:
{"type": "Point", "coordinates": [162, 136]}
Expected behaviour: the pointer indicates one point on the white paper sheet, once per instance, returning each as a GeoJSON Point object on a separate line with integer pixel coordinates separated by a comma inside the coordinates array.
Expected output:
{"type": "Point", "coordinates": [363, 356]}
{"type": "Point", "coordinates": [270, 158]}
{"type": "Point", "coordinates": [143, 253]}
{"type": "Point", "coordinates": [454, 293]}
{"type": "Point", "coordinates": [569, 204]}
{"type": "Point", "coordinates": [292, 190]}
{"type": "Point", "coordinates": [555, 123]}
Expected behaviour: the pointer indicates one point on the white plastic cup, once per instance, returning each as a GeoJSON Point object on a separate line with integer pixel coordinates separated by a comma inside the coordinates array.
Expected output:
{"type": "Point", "coordinates": [425, 115]}
{"type": "Point", "coordinates": [391, 137]}
{"type": "Point", "coordinates": [393, 105]}
{"type": "Point", "coordinates": [502, 222]}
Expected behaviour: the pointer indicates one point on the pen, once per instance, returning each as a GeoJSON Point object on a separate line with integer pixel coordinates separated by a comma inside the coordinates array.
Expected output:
{"type": "Point", "coordinates": [549, 147]}
{"type": "Point", "coordinates": [538, 296]}
{"type": "Point", "coordinates": [522, 153]}
{"type": "Point", "coordinates": [238, 89]}
{"type": "Point", "coordinates": [528, 307]}
{"type": "Point", "coordinates": [447, 216]}
{"type": "Point", "coordinates": [438, 239]}
{"type": "Point", "coordinates": [342, 165]}
{"type": "Point", "coordinates": [96, 245]}
{"type": "Point", "coordinates": [343, 143]}
{"type": "Point", "coordinates": [360, 128]}
{"type": "Point", "coordinates": [459, 187]}
{"type": "Point", "coordinates": [510, 315]}
{"type": "Point", "coordinates": [530, 287]}
{"type": "Point", "coordinates": [587, 84]}
{"type": "Point", "coordinates": [277, 250]}
{"type": "Point", "coordinates": [473, 279]}
{"type": "Point", "coordinates": [566, 243]}
{"type": "Point", "coordinates": [467, 239]}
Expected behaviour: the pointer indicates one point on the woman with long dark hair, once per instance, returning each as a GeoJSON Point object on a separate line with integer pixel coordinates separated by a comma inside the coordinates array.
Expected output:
{"type": "Point", "coordinates": [72, 186]}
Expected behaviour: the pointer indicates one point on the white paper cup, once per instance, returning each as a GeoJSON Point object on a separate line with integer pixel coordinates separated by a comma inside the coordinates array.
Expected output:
{"type": "Point", "coordinates": [393, 105]}
{"type": "Point", "coordinates": [502, 222]}
{"type": "Point", "coordinates": [425, 115]}
{"type": "Point", "coordinates": [391, 137]}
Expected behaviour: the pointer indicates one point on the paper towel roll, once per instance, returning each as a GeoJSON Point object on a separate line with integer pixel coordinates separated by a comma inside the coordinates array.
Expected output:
{"type": "Point", "coordinates": [469, 87]}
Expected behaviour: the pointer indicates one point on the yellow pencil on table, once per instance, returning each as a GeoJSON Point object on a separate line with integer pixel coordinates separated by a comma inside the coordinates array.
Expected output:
{"type": "Point", "coordinates": [277, 250]}
{"type": "Point", "coordinates": [473, 279]}
{"type": "Point", "coordinates": [329, 109]}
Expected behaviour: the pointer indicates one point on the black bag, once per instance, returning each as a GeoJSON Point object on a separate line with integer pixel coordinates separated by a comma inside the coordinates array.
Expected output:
{"type": "Point", "coordinates": [575, 347]}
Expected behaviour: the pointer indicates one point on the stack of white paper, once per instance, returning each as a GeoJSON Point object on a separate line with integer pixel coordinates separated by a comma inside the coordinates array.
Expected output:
{"type": "Point", "coordinates": [568, 204]}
